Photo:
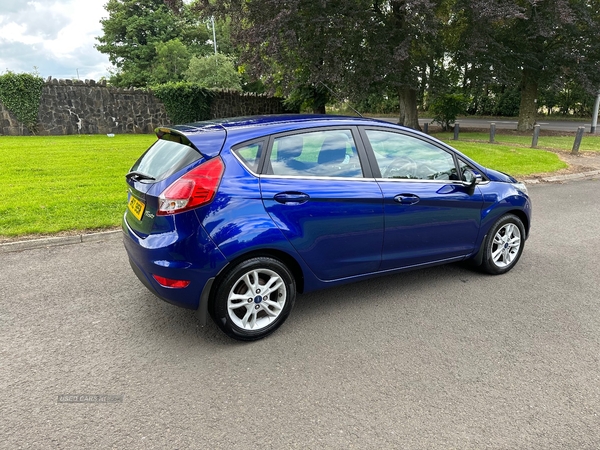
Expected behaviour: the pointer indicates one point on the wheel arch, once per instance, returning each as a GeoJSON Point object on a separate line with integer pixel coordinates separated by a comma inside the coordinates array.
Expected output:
{"type": "Point", "coordinates": [288, 260]}
{"type": "Point", "coordinates": [523, 217]}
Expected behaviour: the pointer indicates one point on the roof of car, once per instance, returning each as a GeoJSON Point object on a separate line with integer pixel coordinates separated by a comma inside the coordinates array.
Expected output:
{"type": "Point", "coordinates": [238, 129]}
{"type": "Point", "coordinates": [275, 120]}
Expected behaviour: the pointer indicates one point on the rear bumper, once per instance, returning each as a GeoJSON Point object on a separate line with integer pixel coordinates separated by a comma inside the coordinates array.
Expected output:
{"type": "Point", "coordinates": [176, 255]}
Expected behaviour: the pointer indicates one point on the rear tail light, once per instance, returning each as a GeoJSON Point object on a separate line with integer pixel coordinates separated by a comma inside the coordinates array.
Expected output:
{"type": "Point", "coordinates": [195, 188]}
{"type": "Point", "coordinates": [170, 283]}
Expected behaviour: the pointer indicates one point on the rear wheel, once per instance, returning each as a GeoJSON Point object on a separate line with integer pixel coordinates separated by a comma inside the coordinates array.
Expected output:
{"type": "Point", "coordinates": [504, 245]}
{"type": "Point", "coordinates": [254, 298]}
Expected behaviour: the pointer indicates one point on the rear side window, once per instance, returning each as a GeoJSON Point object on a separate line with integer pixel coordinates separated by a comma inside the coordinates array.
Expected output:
{"type": "Point", "coordinates": [330, 153]}
{"type": "Point", "coordinates": [250, 154]}
{"type": "Point", "coordinates": [165, 158]}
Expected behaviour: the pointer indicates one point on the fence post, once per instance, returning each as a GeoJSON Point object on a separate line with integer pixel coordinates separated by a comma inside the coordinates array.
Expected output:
{"type": "Point", "coordinates": [492, 133]}
{"type": "Point", "coordinates": [595, 115]}
{"type": "Point", "coordinates": [426, 128]}
{"type": "Point", "coordinates": [577, 142]}
{"type": "Point", "coordinates": [536, 136]}
{"type": "Point", "coordinates": [456, 130]}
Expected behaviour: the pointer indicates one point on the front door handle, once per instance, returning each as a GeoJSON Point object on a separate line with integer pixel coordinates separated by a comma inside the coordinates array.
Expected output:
{"type": "Point", "coordinates": [294, 198]}
{"type": "Point", "coordinates": [406, 199]}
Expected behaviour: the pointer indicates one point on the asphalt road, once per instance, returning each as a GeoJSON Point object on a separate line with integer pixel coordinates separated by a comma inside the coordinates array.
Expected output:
{"type": "Point", "coordinates": [435, 359]}
{"type": "Point", "coordinates": [564, 126]}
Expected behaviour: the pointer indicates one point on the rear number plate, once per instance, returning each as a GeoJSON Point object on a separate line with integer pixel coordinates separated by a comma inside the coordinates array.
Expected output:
{"type": "Point", "coordinates": [136, 207]}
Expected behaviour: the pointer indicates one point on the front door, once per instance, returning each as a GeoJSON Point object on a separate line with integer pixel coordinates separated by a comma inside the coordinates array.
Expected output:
{"type": "Point", "coordinates": [430, 214]}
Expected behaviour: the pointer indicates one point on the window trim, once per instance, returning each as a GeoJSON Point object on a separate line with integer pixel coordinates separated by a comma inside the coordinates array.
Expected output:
{"type": "Point", "coordinates": [367, 173]}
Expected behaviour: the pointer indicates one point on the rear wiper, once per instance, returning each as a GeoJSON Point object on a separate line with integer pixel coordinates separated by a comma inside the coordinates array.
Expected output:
{"type": "Point", "coordinates": [139, 176]}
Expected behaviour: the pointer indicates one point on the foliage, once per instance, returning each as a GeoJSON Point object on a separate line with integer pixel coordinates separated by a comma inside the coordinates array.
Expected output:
{"type": "Point", "coordinates": [134, 30]}
{"type": "Point", "coordinates": [21, 95]}
{"type": "Point", "coordinates": [446, 107]}
{"type": "Point", "coordinates": [307, 97]}
{"type": "Point", "coordinates": [172, 59]}
{"type": "Point", "coordinates": [567, 99]}
{"type": "Point", "coordinates": [531, 44]}
{"type": "Point", "coordinates": [508, 103]}
{"type": "Point", "coordinates": [377, 103]}
{"type": "Point", "coordinates": [355, 45]}
{"type": "Point", "coordinates": [185, 102]}
{"type": "Point", "coordinates": [216, 71]}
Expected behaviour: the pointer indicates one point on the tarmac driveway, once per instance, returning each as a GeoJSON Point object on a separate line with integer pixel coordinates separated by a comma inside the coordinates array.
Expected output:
{"type": "Point", "coordinates": [438, 358]}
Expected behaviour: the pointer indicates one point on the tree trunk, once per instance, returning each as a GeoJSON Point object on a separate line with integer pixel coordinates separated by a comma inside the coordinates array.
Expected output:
{"type": "Point", "coordinates": [528, 105]}
{"type": "Point", "coordinates": [319, 109]}
{"type": "Point", "coordinates": [408, 108]}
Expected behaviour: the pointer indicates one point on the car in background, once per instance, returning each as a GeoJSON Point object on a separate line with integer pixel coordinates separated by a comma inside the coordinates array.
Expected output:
{"type": "Point", "coordinates": [234, 217]}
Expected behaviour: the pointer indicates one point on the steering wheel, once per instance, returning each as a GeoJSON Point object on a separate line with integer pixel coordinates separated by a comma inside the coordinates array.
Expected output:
{"type": "Point", "coordinates": [404, 166]}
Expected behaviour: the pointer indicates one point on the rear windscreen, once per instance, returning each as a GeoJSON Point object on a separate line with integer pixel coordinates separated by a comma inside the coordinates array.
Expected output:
{"type": "Point", "coordinates": [165, 158]}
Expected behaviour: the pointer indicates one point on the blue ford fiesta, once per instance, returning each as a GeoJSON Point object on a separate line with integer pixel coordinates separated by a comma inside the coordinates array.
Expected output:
{"type": "Point", "coordinates": [234, 217]}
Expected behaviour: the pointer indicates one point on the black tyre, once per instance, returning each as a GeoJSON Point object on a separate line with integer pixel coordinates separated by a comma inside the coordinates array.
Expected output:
{"type": "Point", "coordinates": [253, 299]}
{"type": "Point", "coordinates": [503, 245]}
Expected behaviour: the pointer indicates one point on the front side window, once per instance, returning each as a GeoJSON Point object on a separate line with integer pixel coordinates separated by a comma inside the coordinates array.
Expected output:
{"type": "Point", "coordinates": [406, 157]}
{"type": "Point", "coordinates": [330, 153]}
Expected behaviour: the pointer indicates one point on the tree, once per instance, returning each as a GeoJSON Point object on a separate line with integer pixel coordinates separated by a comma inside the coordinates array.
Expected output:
{"type": "Point", "coordinates": [215, 71]}
{"type": "Point", "coordinates": [356, 45]}
{"type": "Point", "coordinates": [531, 43]}
{"type": "Point", "coordinates": [402, 37]}
{"type": "Point", "coordinates": [171, 61]}
{"type": "Point", "coordinates": [134, 31]}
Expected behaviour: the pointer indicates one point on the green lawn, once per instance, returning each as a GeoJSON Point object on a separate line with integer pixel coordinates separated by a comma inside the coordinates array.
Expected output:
{"type": "Point", "coordinates": [59, 183]}
{"type": "Point", "coordinates": [514, 160]}
{"type": "Point", "coordinates": [589, 143]}
{"type": "Point", "coordinates": [64, 183]}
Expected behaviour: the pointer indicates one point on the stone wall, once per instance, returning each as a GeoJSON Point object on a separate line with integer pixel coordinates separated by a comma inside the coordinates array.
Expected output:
{"type": "Point", "coordinates": [87, 107]}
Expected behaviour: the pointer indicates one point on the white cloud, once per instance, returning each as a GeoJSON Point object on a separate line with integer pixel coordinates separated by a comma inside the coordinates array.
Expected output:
{"type": "Point", "coordinates": [56, 36]}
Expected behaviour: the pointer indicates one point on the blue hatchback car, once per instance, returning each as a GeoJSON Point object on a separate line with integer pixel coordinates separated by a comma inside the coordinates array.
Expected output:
{"type": "Point", "coordinates": [233, 217]}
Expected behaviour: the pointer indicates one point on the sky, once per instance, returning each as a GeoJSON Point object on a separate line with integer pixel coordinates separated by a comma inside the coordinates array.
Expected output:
{"type": "Point", "coordinates": [54, 37]}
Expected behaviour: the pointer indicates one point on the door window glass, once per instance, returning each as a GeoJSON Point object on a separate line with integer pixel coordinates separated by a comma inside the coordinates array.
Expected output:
{"type": "Point", "coordinates": [329, 153]}
{"type": "Point", "coordinates": [406, 157]}
{"type": "Point", "coordinates": [250, 155]}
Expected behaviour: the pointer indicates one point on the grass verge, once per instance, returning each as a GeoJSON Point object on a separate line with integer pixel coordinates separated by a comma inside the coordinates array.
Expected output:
{"type": "Point", "coordinates": [589, 143]}
{"type": "Point", "coordinates": [61, 183]}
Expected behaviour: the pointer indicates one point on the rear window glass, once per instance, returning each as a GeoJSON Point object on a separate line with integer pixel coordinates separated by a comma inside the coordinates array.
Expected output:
{"type": "Point", "coordinates": [165, 158]}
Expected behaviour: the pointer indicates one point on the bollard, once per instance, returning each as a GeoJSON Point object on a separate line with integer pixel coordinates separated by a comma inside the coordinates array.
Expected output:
{"type": "Point", "coordinates": [426, 128]}
{"type": "Point", "coordinates": [456, 130]}
{"type": "Point", "coordinates": [577, 142]}
{"type": "Point", "coordinates": [536, 136]}
{"type": "Point", "coordinates": [492, 133]}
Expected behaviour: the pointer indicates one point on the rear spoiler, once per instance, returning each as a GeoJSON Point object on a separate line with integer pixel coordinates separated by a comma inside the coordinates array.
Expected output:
{"type": "Point", "coordinates": [207, 140]}
{"type": "Point", "coordinates": [169, 134]}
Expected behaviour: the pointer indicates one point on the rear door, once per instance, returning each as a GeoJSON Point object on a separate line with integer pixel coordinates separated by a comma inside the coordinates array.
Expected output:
{"type": "Point", "coordinates": [318, 189]}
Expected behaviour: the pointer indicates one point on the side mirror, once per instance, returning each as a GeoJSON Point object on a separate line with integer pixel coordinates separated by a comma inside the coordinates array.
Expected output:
{"type": "Point", "coordinates": [471, 179]}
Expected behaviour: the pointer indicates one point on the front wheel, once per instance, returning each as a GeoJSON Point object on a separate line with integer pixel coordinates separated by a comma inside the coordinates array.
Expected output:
{"type": "Point", "coordinates": [253, 299]}
{"type": "Point", "coordinates": [504, 245]}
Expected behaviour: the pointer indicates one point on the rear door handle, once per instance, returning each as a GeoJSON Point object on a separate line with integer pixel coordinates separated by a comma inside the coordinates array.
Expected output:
{"type": "Point", "coordinates": [294, 198]}
{"type": "Point", "coordinates": [406, 199]}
